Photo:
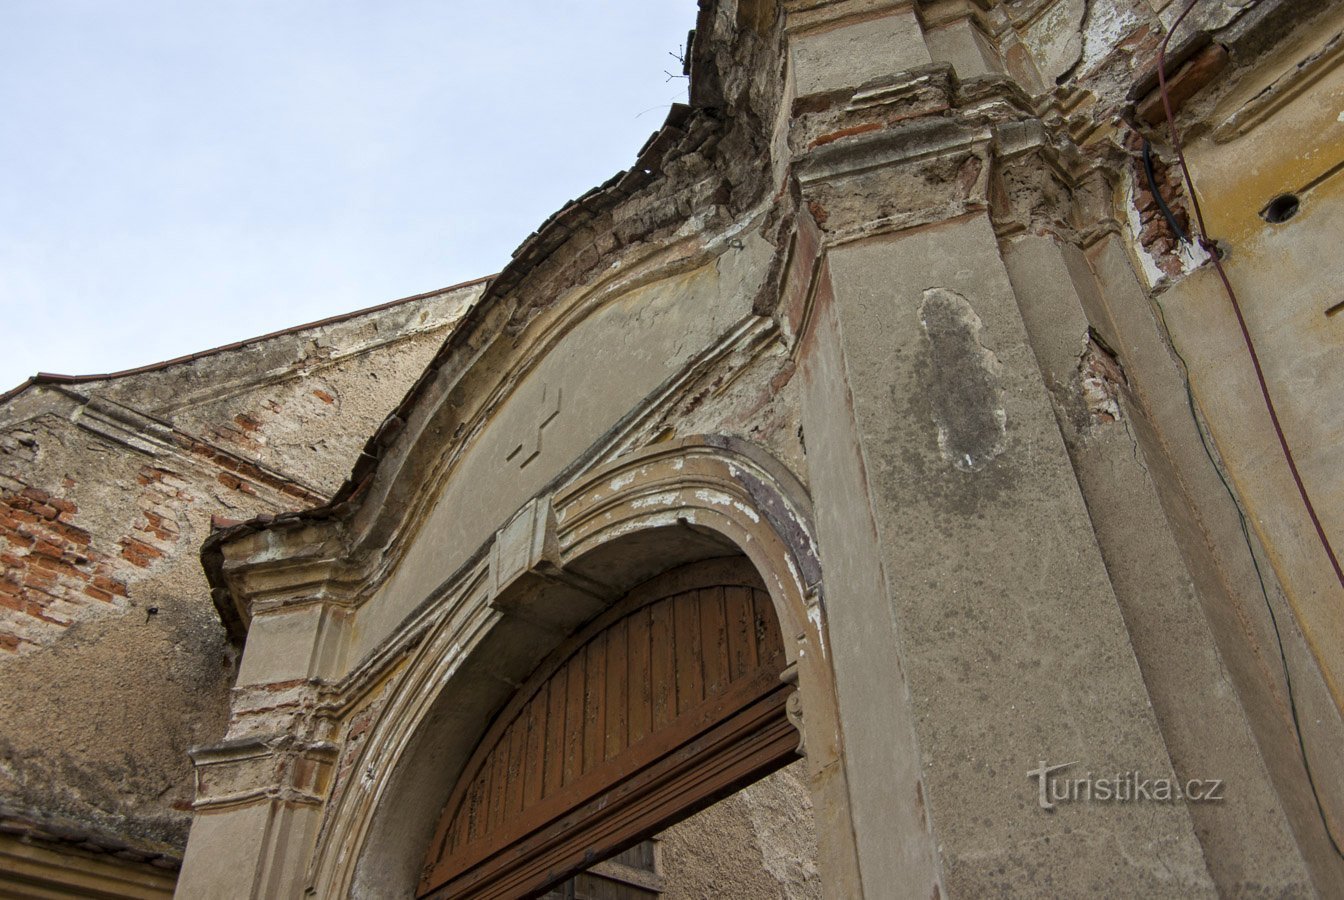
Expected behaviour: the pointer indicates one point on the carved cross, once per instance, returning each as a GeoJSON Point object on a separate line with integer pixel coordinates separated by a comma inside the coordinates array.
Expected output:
{"type": "Point", "coordinates": [529, 448]}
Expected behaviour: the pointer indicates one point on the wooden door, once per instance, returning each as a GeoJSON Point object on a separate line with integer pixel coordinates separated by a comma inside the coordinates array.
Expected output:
{"type": "Point", "coordinates": [667, 702]}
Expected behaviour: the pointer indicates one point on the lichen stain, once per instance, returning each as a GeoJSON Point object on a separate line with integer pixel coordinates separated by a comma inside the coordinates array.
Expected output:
{"type": "Point", "coordinates": [965, 387]}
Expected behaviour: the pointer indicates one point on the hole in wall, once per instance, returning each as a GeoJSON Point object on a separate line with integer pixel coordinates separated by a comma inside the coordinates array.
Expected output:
{"type": "Point", "coordinates": [1281, 208]}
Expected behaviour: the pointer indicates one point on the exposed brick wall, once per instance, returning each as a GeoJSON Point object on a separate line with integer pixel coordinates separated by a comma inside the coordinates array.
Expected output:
{"type": "Point", "coordinates": [111, 652]}
{"type": "Point", "coordinates": [52, 570]}
{"type": "Point", "coordinates": [1155, 232]}
{"type": "Point", "coordinates": [49, 572]}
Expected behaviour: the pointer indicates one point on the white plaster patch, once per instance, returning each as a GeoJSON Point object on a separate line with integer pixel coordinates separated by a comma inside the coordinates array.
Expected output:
{"type": "Point", "coordinates": [718, 498]}
{"type": "Point", "coordinates": [666, 498]}
{"type": "Point", "coordinates": [1054, 39]}
{"type": "Point", "coordinates": [1147, 262]}
{"type": "Point", "coordinates": [713, 498]}
{"type": "Point", "coordinates": [814, 616]}
{"type": "Point", "coordinates": [622, 481]}
{"type": "Point", "coordinates": [1107, 22]}
{"type": "Point", "coordinates": [667, 518]}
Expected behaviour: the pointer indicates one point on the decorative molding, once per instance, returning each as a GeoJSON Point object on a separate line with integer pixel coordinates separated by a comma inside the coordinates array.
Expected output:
{"type": "Point", "coordinates": [720, 493]}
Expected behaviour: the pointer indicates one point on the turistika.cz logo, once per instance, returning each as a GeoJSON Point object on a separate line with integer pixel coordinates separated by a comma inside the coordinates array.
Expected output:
{"type": "Point", "coordinates": [1122, 787]}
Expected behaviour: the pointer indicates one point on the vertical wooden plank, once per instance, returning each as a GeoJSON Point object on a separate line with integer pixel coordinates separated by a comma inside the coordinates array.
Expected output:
{"type": "Point", "coordinates": [714, 638]}
{"type": "Point", "coordinates": [770, 644]}
{"type": "Point", "coordinates": [513, 792]}
{"type": "Point", "coordinates": [690, 652]}
{"type": "Point", "coordinates": [618, 679]}
{"type": "Point", "coordinates": [741, 631]}
{"type": "Point", "coordinates": [640, 691]}
{"type": "Point", "coordinates": [534, 760]}
{"type": "Point", "coordinates": [476, 807]}
{"type": "Point", "coordinates": [555, 732]}
{"type": "Point", "coordinates": [499, 764]}
{"type": "Point", "coordinates": [595, 704]}
{"type": "Point", "coordinates": [452, 837]}
{"type": "Point", "coordinates": [574, 718]}
{"type": "Point", "coordinates": [662, 663]}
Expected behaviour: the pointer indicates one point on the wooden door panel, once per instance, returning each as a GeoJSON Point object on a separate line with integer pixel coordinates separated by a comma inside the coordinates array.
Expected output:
{"type": "Point", "coordinates": [665, 703]}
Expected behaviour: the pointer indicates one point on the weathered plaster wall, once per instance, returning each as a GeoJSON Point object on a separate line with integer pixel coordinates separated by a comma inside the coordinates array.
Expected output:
{"type": "Point", "coordinates": [758, 844]}
{"type": "Point", "coordinates": [112, 655]}
{"type": "Point", "coordinates": [942, 318]}
{"type": "Point", "coordinates": [1256, 91]}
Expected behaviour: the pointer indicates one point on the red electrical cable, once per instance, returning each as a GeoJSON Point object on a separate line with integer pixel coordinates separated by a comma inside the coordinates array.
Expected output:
{"type": "Point", "coordinates": [1211, 248]}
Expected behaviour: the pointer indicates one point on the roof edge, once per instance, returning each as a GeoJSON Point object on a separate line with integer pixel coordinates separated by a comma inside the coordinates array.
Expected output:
{"type": "Point", "coordinates": [57, 378]}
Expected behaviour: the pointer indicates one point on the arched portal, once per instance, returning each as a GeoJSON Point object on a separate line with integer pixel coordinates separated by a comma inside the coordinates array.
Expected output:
{"type": "Point", "coordinates": [487, 630]}
{"type": "Point", "coordinates": [668, 701]}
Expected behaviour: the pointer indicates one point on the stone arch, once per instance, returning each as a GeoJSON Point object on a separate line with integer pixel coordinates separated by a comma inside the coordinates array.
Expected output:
{"type": "Point", "coordinates": [578, 549]}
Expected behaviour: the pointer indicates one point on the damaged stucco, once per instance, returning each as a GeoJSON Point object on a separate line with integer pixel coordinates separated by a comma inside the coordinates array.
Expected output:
{"type": "Point", "coordinates": [904, 273]}
{"type": "Point", "coordinates": [113, 657]}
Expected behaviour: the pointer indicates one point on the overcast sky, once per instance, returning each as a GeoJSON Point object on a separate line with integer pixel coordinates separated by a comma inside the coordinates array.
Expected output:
{"type": "Point", "coordinates": [178, 174]}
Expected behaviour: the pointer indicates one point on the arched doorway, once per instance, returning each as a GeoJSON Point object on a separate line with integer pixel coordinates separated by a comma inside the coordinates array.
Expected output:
{"type": "Point", "coordinates": [668, 701]}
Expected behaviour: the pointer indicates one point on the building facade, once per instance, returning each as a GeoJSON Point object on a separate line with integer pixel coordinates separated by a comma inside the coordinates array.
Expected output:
{"type": "Point", "coordinates": [900, 423]}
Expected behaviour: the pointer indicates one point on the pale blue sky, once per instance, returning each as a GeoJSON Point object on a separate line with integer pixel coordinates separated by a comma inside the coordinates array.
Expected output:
{"type": "Point", "coordinates": [179, 174]}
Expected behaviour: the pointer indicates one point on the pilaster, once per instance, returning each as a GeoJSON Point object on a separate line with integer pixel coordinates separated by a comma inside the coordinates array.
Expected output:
{"type": "Point", "coordinates": [947, 501]}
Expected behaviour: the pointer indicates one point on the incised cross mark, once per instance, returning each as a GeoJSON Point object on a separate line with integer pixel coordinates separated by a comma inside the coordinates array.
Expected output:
{"type": "Point", "coordinates": [529, 448]}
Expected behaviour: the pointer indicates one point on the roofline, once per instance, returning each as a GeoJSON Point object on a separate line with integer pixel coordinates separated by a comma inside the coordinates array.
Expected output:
{"type": "Point", "coordinates": [57, 378]}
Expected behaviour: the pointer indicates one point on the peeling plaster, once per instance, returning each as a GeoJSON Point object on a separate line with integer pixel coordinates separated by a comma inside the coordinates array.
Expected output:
{"type": "Point", "coordinates": [966, 391]}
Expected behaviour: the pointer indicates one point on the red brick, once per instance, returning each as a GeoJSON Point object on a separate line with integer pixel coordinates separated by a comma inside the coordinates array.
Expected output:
{"type": "Point", "coordinates": [112, 586]}
{"type": "Point", "coordinates": [48, 547]}
{"type": "Point", "coordinates": [71, 533]}
{"type": "Point", "coordinates": [161, 528]}
{"type": "Point", "coordinates": [98, 594]}
{"type": "Point", "coordinates": [138, 552]}
{"type": "Point", "coordinates": [9, 642]}
{"type": "Point", "coordinates": [35, 494]}
{"type": "Point", "coordinates": [56, 565]}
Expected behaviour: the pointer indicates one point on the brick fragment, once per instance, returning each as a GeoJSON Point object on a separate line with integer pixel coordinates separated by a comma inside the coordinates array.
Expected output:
{"type": "Point", "coordinates": [138, 553]}
{"type": "Point", "coordinates": [112, 586]}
